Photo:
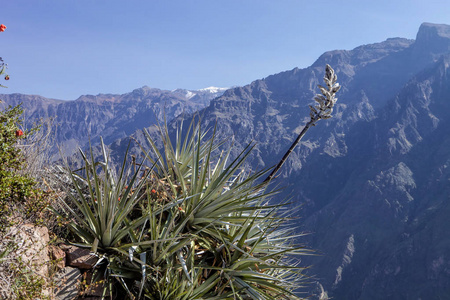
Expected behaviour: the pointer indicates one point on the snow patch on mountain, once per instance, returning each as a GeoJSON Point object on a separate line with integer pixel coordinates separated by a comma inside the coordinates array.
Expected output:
{"type": "Point", "coordinates": [213, 89]}
{"type": "Point", "coordinates": [190, 94]}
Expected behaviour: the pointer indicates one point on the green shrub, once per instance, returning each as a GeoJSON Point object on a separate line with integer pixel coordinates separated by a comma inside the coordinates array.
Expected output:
{"type": "Point", "coordinates": [14, 187]}
{"type": "Point", "coordinates": [19, 191]}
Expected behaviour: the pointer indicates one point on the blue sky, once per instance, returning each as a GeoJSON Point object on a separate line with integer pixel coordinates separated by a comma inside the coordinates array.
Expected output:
{"type": "Point", "coordinates": [65, 48]}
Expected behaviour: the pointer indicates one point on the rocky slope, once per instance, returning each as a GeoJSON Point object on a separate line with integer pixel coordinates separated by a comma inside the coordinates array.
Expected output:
{"type": "Point", "coordinates": [382, 230]}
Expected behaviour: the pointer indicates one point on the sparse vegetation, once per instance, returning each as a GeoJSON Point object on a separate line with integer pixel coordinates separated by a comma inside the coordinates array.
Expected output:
{"type": "Point", "coordinates": [20, 151]}
{"type": "Point", "coordinates": [21, 201]}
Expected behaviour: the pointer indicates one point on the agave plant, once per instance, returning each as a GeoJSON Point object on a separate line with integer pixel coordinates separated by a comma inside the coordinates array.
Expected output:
{"type": "Point", "coordinates": [100, 209]}
{"type": "Point", "coordinates": [215, 235]}
{"type": "Point", "coordinates": [192, 224]}
{"type": "Point", "coordinates": [104, 203]}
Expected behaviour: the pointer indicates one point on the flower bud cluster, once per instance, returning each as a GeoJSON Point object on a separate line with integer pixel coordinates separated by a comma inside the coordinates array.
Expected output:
{"type": "Point", "coordinates": [327, 99]}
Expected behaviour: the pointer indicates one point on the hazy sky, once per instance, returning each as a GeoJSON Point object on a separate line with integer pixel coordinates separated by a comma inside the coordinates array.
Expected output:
{"type": "Point", "coordinates": [65, 48]}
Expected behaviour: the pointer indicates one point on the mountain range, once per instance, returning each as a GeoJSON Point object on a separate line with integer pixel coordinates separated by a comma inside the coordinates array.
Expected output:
{"type": "Point", "coordinates": [373, 182]}
{"type": "Point", "coordinates": [110, 116]}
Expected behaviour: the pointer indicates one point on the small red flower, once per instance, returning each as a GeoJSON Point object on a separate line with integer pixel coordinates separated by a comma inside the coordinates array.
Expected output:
{"type": "Point", "coordinates": [153, 191]}
{"type": "Point", "coordinates": [7, 77]}
{"type": "Point", "coordinates": [2, 28]}
{"type": "Point", "coordinates": [19, 133]}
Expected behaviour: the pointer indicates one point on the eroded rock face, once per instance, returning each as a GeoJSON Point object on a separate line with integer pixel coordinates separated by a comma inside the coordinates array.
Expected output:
{"type": "Point", "coordinates": [32, 245]}
{"type": "Point", "coordinates": [27, 256]}
{"type": "Point", "coordinates": [79, 268]}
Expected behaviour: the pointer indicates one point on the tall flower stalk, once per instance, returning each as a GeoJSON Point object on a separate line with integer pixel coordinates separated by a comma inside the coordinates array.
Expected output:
{"type": "Point", "coordinates": [322, 110]}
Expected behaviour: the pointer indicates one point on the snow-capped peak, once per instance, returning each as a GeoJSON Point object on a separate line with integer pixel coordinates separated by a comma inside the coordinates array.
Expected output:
{"type": "Point", "coordinates": [213, 89]}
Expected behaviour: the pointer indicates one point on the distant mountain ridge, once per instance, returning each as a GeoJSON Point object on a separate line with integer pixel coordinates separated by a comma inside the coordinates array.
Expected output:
{"type": "Point", "coordinates": [109, 115]}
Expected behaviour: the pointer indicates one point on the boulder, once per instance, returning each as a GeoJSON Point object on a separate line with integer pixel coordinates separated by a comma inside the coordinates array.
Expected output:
{"type": "Point", "coordinates": [79, 257]}
{"type": "Point", "coordinates": [32, 245]}
{"type": "Point", "coordinates": [26, 260]}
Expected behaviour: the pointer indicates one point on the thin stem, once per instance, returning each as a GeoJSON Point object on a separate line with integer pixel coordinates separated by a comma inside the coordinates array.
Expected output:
{"type": "Point", "coordinates": [323, 110]}
{"type": "Point", "coordinates": [286, 155]}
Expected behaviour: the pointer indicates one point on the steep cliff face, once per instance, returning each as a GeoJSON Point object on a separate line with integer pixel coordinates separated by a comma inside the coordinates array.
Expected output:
{"type": "Point", "coordinates": [107, 115]}
{"type": "Point", "coordinates": [392, 201]}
